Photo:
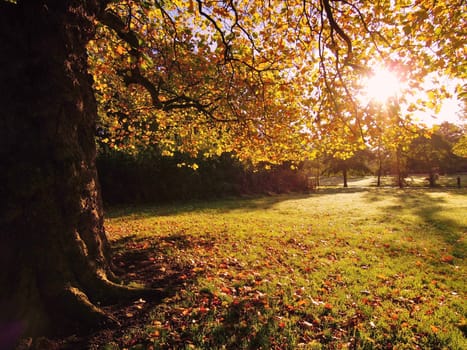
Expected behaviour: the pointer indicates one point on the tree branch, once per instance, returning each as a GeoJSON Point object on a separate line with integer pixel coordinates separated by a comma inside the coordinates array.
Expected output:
{"type": "Point", "coordinates": [113, 21]}
{"type": "Point", "coordinates": [218, 29]}
{"type": "Point", "coordinates": [335, 26]}
{"type": "Point", "coordinates": [133, 75]}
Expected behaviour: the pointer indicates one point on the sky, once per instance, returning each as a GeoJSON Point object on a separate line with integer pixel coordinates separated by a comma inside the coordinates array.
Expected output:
{"type": "Point", "coordinates": [384, 84]}
{"type": "Point", "coordinates": [451, 111]}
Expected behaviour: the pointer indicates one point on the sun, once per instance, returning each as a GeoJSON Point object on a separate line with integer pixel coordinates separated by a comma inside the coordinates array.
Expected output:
{"type": "Point", "coordinates": [381, 86]}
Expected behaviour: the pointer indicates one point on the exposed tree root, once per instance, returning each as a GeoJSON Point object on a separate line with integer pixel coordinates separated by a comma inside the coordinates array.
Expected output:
{"type": "Point", "coordinates": [107, 292]}
{"type": "Point", "coordinates": [88, 315]}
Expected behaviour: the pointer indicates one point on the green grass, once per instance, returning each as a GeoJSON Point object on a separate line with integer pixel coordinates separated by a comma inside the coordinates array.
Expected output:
{"type": "Point", "coordinates": [418, 180]}
{"type": "Point", "coordinates": [355, 269]}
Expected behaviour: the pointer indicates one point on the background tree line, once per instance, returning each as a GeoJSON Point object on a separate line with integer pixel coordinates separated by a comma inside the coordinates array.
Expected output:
{"type": "Point", "coordinates": [149, 176]}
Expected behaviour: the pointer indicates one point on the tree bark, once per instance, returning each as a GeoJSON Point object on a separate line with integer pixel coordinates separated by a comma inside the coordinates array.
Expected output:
{"type": "Point", "coordinates": [400, 177]}
{"type": "Point", "coordinates": [380, 169]}
{"type": "Point", "coordinates": [54, 255]}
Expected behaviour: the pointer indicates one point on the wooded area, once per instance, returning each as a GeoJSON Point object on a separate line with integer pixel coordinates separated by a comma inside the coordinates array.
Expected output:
{"type": "Point", "coordinates": [149, 177]}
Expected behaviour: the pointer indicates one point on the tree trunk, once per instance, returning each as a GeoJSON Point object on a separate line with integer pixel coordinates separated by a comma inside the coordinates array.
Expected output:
{"type": "Point", "coordinates": [344, 173]}
{"type": "Point", "coordinates": [380, 169]}
{"type": "Point", "coordinates": [53, 250]}
{"type": "Point", "coordinates": [400, 177]}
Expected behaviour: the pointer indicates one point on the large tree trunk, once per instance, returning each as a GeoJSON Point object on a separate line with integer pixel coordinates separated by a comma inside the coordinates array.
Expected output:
{"type": "Point", "coordinates": [54, 263]}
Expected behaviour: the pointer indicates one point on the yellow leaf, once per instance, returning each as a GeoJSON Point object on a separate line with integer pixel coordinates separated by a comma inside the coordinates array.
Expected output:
{"type": "Point", "coordinates": [120, 50]}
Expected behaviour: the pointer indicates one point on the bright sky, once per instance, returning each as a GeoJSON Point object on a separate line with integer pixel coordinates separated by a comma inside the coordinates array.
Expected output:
{"type": "Point", "coordinates": [384, 84]}
{"type": "Point", "coordinates": [381, 86]}
{"type": "Point", "coordinates": [450, 112]}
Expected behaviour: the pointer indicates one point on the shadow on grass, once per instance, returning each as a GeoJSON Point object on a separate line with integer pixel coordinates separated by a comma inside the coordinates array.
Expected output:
{"type": "Point", "coordinates": [151, 261]}
{"type": "Point", "coordinates": [419, 203]}
{"type": "Point", "coordinates": [225, 205]}
{"type": "Point", "coordinates": [156, 261]}
{"type": "Point", "coordinates": [218, 205]}
{"type": "Point", "coordinates": [144, 262]}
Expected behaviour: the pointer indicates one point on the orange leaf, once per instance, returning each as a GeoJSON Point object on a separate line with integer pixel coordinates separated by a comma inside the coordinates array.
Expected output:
{"type": "Point", "coordinates": [447, 258]}
{"type": "Point", "coordinates": [203, 309]}
{"type": "Point", "coordinates": [120, 49]}
{"type": "Point", "coordinates": [226, 290]}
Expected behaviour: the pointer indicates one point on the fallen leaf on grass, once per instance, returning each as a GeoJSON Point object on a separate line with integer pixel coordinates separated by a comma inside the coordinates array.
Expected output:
{"type": "Point", "coordinates": [447, 258]}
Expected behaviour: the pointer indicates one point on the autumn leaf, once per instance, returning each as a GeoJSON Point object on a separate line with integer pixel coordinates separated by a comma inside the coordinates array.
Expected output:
{"type": "Point", "coordinates": [447, 258]}
{"type": "Point", "coordinates": [120, 49]}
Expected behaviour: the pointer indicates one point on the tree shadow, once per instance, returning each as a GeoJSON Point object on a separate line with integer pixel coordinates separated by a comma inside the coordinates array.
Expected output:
{"type": "Point", "coordinates": [142, 262]}
{"type": "Point", "coordinates": [224, 205]}
{"type": "Point", "coordinates": [150, 260]}
{"type": "Point", "coordinates": [419, 203]}
{"type": "Point", "coordinates": [335, 190]}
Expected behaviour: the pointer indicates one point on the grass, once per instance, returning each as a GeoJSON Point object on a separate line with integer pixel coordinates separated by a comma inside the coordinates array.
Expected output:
{"type": "Point", "coordinates": [417, 180]}
{"type": "Point", "coordinates": [353, 269]}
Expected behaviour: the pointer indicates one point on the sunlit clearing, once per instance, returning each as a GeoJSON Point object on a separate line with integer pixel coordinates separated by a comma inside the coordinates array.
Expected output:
{"type": "Point", "coordinates": [381, 86]}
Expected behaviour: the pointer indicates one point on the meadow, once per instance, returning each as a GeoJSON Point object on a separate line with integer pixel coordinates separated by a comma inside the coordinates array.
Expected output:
{"type": "Point", "coordinates": [336, 269]}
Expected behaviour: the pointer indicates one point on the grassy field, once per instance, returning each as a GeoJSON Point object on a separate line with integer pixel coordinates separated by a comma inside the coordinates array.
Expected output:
{"type": "Point", "coordinates": [353, 269]}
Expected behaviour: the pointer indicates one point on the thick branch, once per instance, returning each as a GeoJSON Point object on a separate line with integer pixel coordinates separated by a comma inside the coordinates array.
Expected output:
{"type": "Point", "coordinates": [113, 21]}
{"type": "Point", "coordinates": [335, 26]}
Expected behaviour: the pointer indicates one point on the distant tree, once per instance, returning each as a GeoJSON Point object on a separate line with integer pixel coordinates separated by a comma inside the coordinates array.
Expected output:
{"type": "Point", "coordinates": [453, 135]}
{"type": "Point", "coordinates": [460, 148]}
{"type": "Point", "coordinates": [357, 164]}
{"type": "Point", "coordinates": [427, 154]}
{"type": "Point", "coordinates": [433, 153]}
{"type": "Point", "coordinates": [379, 162]}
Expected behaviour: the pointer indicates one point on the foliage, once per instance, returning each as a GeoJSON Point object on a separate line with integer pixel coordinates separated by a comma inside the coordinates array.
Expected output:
{"type": "Point", "coordinates": [358, 163]}
{"type": "Point", "coordinates": [460, 148]}
{"type": "Point", "coordinates": [435, 153]}
{"type": "Point", "coordinates": [360, 269]}
{"type": "Point", "coordinates": [151, 178]}
{"type": "Point", "coordinates": [271, 81]}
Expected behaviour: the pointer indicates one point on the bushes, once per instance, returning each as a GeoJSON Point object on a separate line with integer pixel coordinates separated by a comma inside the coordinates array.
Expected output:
{"type": "Point", "coordinates": [151, 178]}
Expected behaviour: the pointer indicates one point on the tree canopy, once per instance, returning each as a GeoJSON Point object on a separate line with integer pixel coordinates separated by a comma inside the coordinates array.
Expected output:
{"type": "Point", "coordinates": [268, 80]}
